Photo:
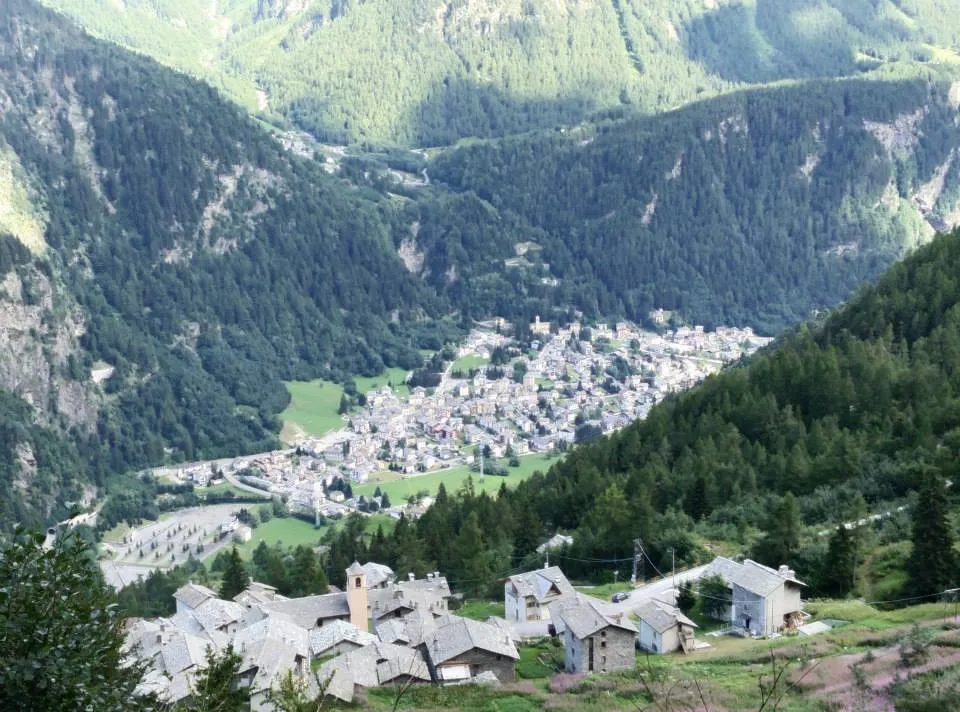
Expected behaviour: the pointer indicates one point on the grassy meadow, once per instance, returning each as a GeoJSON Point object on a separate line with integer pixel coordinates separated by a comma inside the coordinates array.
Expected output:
{"type": "Point", "coordinates": [314, 404]}
{"type": "Point", "coordinates": [399, 488]}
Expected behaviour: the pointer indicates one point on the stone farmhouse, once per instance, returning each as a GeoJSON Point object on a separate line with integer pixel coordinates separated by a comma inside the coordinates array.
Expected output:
{"type": "Point", "coordinates": [594, 641]}
{"type": "Point", "coordinates": [528, 596]}
{"type": "Point", "coordinates": [764, 601]}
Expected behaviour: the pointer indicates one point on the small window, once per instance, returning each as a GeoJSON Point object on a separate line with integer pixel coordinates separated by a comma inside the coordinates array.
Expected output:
{"type": "Point", "coordinates": [357, 584]}
{"type": "Point", "coordinates": [603, 644]}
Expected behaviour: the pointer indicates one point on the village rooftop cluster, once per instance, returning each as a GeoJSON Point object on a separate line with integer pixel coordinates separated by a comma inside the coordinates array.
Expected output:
{"type": "Point", "coordinates": [389, 631]}
{"type": "Point", "coordinates": [570, 379]}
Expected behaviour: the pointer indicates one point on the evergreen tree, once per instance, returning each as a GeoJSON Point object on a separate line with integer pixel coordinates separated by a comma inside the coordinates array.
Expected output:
{"type": "Point", "coordinates": [384, 501]}
{"type": "Point", "coordinates": [782, 539]}
{"type": "Point", "coordinates": [306, 577]}
{"type": "Point", "coordinates": [472, 571]}
{"type": "Point", "coordinates": [715, 597]}
{"type": "Point", "coordinates": [840, 564]}
{"type": "Point", "coordinates": [60, 639]}
{"type": "Point", "coordinates": [216, 687]}
{"type": "Point", "coordinates": [932, 565]}
{"type": "Point", "coordinates": [697, 504]}
{"type": "Point", "coordinates": [686, 597]}
{"type": "Point", "coordinates": [235, 578]}
{"type": "Point", "coordinates": [344, 407]}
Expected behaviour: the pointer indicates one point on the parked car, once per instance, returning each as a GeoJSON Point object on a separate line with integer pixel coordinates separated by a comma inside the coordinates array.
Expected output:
{"type": "Point", "coordinates": [619, 597]}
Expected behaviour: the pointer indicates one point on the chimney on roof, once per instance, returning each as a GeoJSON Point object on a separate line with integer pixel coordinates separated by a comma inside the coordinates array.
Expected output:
{"type": "Point", "coordinates": [430, 576]}
{"type": "Point", "coordinates": [411, 577]}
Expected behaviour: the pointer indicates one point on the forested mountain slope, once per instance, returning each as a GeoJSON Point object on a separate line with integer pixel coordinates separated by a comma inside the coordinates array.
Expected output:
{"type": "Point", "coordinates": [427, 72]}
{"type": "Point", "coordinates": [750, 208]}
{"type": "Point", "coordinates": [854, 412]}
{"type": "Point", "coordinates": [164, 266]}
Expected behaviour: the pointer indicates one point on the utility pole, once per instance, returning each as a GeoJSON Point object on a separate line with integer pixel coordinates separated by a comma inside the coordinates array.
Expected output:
{"type": "Point", "coordinates": [673, 564]}
{"type": "Point", "coordinates": [637, 560]}
{"type": "Point", "coordinates": [481, 464]}
{"type": "Point", "coordinates": [616, 575]}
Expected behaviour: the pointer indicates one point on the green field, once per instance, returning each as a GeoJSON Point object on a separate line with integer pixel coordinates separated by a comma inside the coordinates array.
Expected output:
{"type": "Point", "coordinates": [394, 376]}
{"type": "Point", "coordinates": [313, 408]}
{"type": "Point", "coordinates": [399, 489]}
{"type": "Point", "coordinates": [290, 531]}
{"type": "Point", "coordinates": [465, 363]}
{"type": "Point", "coordinates": [223, 488]}
{"type": "Point", "coordinates": [314, 404]}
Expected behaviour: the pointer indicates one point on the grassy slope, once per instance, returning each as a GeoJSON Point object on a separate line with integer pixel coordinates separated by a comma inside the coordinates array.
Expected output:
{"type": "Point", "coordinates": [727, 672]}
{"type": "Point", "coordinates": [313, 405]}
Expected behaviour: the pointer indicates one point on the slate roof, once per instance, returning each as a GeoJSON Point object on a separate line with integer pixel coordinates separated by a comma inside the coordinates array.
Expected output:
{"type": "Point", "coordinates": [750, 576]}
{"type": "Point", "coordinates": [371, 666]}
{"type": "Point", "coordinates": [662, 617]}
{"type": "Point", "coordinates": [215, 613]}
{"type": "Point", "coordinates": [193, 594]}
{"type": "Point", "coordinates": [307, 610]}
{"type": "Point", "coordinates": [181, 651]}
{"type": "Point", "coordinates": [427, 596]}
{"type": "Point", "coordinates": [257, 593]}
{"type": "Point", "coordinates": [333, 634]}
{"type": "Point", "coordinates": [584, 619]}
{"type": "Point", "coordinates": [461, 635]}
{"type": "Point", "coordinates": [531, 583]}
{"type": "Point", "coordinates": [272, 646]}
{"type": "Point", "coordinates": [377, 574]}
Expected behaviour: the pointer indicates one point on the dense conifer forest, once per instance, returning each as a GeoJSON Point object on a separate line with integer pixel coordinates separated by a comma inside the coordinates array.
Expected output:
{"type": "Point", "coordinates": [748, 209]}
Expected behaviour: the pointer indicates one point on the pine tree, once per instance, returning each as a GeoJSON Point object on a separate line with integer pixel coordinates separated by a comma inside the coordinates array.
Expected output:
{"type": "Point", "coordinates": [686, 598]}
{"type": "Point", "coordinates": [215, 687]}
{"type": "Point", "coordinates": [306, 577]}
{"type": "Point", "coordinates": [344, 405]}
{"type": "Point", "coordinates": [933, 563]}
{"type": "Point", "coordinates": [473, 571]}
{"type": "Point", "coordinates": [782, 539]}
{"type": "Point", "coordinates": [840, 564]}
{"type": "Point", "coordinates": [235, 578]}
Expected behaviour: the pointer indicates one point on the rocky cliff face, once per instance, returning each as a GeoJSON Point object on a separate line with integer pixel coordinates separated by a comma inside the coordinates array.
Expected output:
{"type": "Point", "coordinates": [40, 356]}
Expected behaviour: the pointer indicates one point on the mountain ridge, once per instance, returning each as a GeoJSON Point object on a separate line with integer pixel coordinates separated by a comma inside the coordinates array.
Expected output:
{"type": "Point", "coordinates": [433, 71]}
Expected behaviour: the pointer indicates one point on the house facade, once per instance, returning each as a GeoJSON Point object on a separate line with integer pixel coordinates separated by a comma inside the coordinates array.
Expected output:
{"type": "Point", "coordinates": [596, 642]}
{"type": "Point", "coordinates": [764, 601]}
{"type": "Point", "coordinates": [528, 596]}
{"type": "Point", "coordinates": [664, 629]}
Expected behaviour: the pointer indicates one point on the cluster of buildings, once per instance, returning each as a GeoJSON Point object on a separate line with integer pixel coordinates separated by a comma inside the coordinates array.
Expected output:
{"type": "Point", "coordinates": [760, 602]}
{"type": "Point", "coordinates": [568, 381]}
{"type": "Point", "coordinates": [379, 631]}
{"type": "Point", "coordinates": [384, 631]}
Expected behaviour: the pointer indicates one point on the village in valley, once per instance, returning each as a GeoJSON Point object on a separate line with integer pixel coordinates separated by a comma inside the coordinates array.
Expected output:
{"type": "Point", "coordinates": [497, 401]}
{"type": "Point", "coordinates": [499, 405]}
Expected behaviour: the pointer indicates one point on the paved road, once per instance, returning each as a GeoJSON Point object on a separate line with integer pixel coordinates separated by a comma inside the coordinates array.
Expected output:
{"type": "Point", "coordinates": [662, 590]}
